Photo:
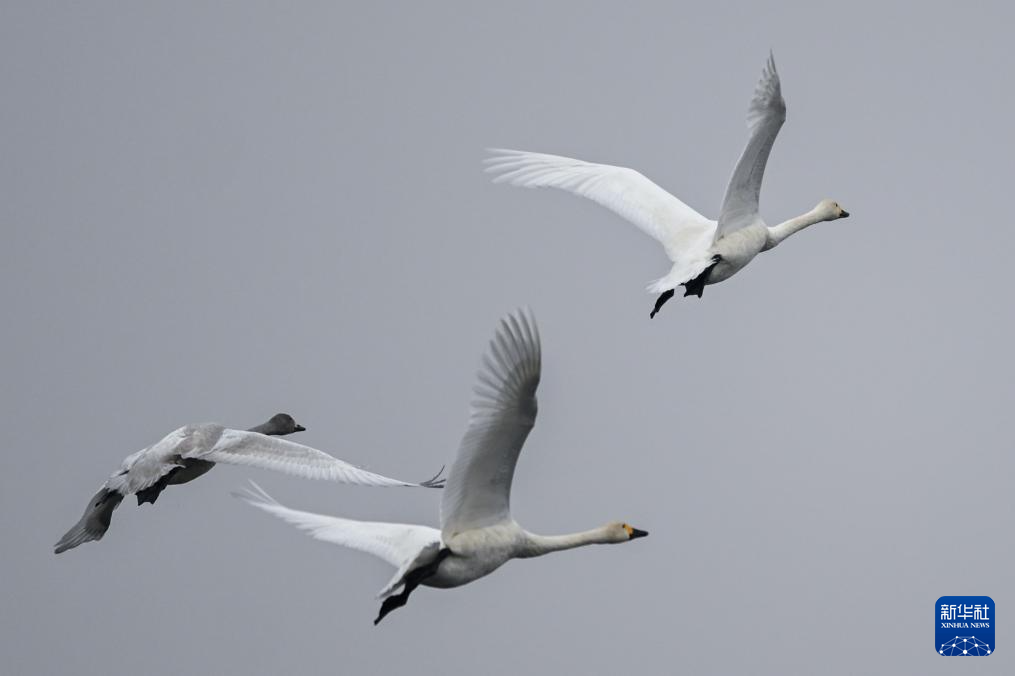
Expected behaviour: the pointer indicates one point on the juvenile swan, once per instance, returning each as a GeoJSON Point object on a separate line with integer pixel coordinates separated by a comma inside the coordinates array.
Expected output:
{"type": "Point", "coordinates": [187, 453]}
{"type": "Point", "coordinates": [703, 251]}
{"type": "Point", "coordinates": [477, 533]}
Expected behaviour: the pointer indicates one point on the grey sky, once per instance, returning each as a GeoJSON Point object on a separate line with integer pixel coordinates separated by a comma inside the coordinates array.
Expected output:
{"type": "Point", "coordinates": [217, 213]}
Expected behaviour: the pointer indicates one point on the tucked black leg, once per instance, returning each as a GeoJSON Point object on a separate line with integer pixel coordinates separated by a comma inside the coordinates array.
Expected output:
{"type": "Point", "coordinates": [151, 494]}
{"type": "Point", "coordinates": [665, 296]}
{"type": "Point", "coordinates": [396, 601]}
{"type": "Point", "coordinates": [412, 580]}
{"type": "Point", "coordinates": [696, 286]}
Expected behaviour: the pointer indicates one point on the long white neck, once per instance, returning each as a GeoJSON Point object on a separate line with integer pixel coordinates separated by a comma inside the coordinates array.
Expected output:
{"type": "Point", "coordinates": [537, 545]}
{"type": "Point", "coordinates": [777, 233]}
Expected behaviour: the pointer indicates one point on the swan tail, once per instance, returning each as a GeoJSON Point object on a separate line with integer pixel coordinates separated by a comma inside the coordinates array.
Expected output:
{"type": "Point", "coordinates": [680, 273]}
{"type": "Point", "coordinates": [93, 523]}
{"type": "Point", "coordinates": [425, 558]}
{"type": "Point", "coordinates": [393, 585]}
{"type": "Point", "coordinates": [661, 285]}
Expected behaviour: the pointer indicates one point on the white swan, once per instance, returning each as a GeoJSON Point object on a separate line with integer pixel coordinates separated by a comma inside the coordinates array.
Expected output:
{"type": "Point", "coordinates": [477, 533]}
{"type": "Point", "coordinates": [190, 451]}
{"type": "Point", "coordinates": [703, 251]}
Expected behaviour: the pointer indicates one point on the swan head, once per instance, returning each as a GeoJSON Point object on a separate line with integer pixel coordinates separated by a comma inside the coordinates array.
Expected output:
{"type": "Point", "coordinates": [618, 531]}
{"type": "Point", "coordinates": [830, 210]}
{"type": "Point", "coordinates": [283, 423]}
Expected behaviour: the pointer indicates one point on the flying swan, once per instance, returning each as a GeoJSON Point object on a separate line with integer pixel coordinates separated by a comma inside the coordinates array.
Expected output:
{"type": "Point", "coordinates": [477, 533]}
{"type": "Point", "coordinates": [187, 453]}
{"type": "Point", "coordinates": [703, 251]}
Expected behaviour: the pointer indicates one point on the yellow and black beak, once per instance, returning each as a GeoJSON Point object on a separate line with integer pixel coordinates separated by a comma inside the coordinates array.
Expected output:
{"type": "Point", "coordinates": [633, 533]}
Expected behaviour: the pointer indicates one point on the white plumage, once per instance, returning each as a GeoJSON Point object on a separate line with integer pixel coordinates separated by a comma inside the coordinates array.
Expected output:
{"type": "Point", "coordinates": [702, 251]}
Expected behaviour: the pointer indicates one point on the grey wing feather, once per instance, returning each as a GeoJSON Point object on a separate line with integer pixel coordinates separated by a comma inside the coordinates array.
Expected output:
{"type": "Point", "coordinates": [236, 447]}
{"type": "Point", "coordinates": [478, 492]}
{"type": "Point", "coordinates": [765, 117]}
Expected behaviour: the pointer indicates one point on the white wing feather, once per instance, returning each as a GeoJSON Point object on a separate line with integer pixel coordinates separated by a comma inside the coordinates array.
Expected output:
{"type": "Point", "coordinates": [624, 191]}
{"type": "Point", "coordinates": [765, 117]}
{"type": "Point", "coordinates": [478, 491]}
{"type": "Point", "coordinates": [399, 544]}
{"type": "Point", "coordinates": [237, 447]}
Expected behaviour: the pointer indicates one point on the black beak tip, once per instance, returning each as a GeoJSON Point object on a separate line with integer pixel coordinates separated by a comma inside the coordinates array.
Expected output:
{"type": "Point", "coordinates": [301, 428]}
{"type": "Point", "coordinates": [636, 533]}
{"type": "Point", "coordinates": [845, 214]}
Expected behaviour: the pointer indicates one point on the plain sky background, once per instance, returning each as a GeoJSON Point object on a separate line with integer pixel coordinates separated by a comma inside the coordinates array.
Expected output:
{"type": "Point", "coordinates": [220, 212]}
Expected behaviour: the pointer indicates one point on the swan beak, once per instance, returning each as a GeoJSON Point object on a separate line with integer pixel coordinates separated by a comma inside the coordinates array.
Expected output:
{"type": "Point", "coordinates": [844, 214]}
{"type": "Point", "coordinates": [301, 428]}
{"type": "Point", "coordinates": [636, 533]}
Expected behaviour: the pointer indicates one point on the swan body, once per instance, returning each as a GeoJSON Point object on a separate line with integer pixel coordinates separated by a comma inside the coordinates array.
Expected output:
{"type": "Point", "coordinates": [190, 451]}
{"type": "Point", "coordinates": [703, 251]}
{"type": "Point", "coordinates": [477, 534]}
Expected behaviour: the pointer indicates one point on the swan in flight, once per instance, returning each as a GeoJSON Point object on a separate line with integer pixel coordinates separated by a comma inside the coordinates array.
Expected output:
{"type": "Point", "coordinates": [703, 251]}
{"type": "Point", "coordinates": [187, 453]}
{"type": "Point", "coordinates": [477, 534]}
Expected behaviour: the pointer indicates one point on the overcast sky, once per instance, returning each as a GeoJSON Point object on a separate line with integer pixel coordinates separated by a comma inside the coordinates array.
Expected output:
{"type": "Point", "coordinates": [221, 213]}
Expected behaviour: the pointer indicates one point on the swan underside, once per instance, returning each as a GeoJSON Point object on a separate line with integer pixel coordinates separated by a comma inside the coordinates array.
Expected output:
{"type": "Point", "coordinates": [412, 580]}
{"type": "Point", "coordinates": [693, 287]}
{"type": "Point", "coordinates": [188, 471]}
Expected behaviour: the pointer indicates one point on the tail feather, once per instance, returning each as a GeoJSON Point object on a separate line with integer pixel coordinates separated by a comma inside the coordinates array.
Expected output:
{"type": "Point", "coordinates": [679, 274]}
{"type": "Point", "coordinates": [93, 523]}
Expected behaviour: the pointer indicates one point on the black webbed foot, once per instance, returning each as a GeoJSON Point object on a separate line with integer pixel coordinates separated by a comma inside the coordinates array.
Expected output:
{"type": "Point", "coordinates": [412, 580]}
{"type": "Point", "coordinates": [436, 481]}
{"type": "Point", "coordinates": [393, 602]}
{"type": "Point", "coordinates": [665, 296]}
{"type": "Point", "coordinates": [150, 494]}
{"type": "Point", "coordinates": [696, 286]}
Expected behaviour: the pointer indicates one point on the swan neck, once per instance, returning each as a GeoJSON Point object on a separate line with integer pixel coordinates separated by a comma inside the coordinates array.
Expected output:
{"type": "Point", "coordinates": [777, 233]}
{"type": "Point", "coordinates": [264, 428]}
{"type": "Point", "coordinates": [537, 545]}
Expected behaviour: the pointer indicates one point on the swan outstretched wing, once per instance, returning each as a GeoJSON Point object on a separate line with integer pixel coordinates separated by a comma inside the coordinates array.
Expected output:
{"type": "Point", "coordinates": [400, 544]}
{"type": "Point", "coordinates": [478, 492]}
{"type": "Point", "coordinates": [765, 116]}
{"type": "Point", "coordinates": [236, 447]}
{"type": "Point", "coordinates": [624, 191]}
